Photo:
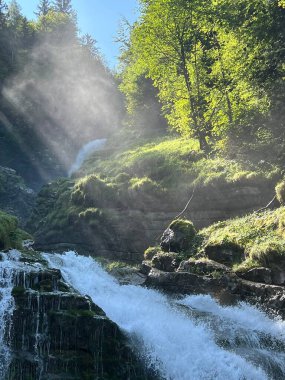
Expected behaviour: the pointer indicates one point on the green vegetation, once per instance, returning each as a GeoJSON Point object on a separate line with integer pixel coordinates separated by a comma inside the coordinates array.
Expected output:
{"type": "Point", "coordinates": [10, 235]}
{"type": "Point", "coordinates": [280, 192]}
{"type": "Point", "coordinates": [172, 163]}
{"type": "Point", "coordinates": [151, 252]}
{"type": "Point", "coordinates": [216, 66]}
{"type": "Point", "coordinates": [261, 236]}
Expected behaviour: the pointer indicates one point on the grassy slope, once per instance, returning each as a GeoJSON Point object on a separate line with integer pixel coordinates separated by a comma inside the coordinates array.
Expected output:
{"type": "Point", "coordinates": [260, 235]}
{"type": "Point", "coordinates": [167, 161]}
{"type": "Point", "coordinates": [142, 174]}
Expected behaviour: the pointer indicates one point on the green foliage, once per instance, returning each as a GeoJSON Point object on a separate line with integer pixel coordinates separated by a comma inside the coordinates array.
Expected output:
{"type": "Point", "coordinates": [92, 191]}
{"type": "Point", "coordinates": [145, 186]}
{"type": "Point", "coordinates": [280, 192]}
{"type": "Point", "coordinates": [217, 66]}
{"type": "Point", "coordinates": [185, 227]}
{"type": "Point", "coordinates": [10, 235]}
{"type": "Point", "coordinates": [261, 236]}
{"type": "Point", "coordinates": [219, 170]}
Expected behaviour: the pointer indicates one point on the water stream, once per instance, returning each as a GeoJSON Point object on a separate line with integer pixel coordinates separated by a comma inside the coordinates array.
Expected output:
{"type": "Point", "coordinates": [193, 338]}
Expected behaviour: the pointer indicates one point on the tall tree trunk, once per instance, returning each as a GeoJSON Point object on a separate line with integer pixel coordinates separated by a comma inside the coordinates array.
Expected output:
{"type": "Point", "coordinates": [198, 132]}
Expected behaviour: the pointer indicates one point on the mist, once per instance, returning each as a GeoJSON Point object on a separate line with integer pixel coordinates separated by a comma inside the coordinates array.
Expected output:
{"type": "Point", "coordinates": [67, 96]}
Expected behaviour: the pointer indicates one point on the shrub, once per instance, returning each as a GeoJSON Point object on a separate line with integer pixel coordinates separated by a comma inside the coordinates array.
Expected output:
{"type": "Point", "coordinates": [10, 235]}
{"type": "Point", "coordinates": [92, 191]}
{"type": "Point", "coordinates": [280, 192]}
{"type": "Point", "coordinates": [145, 185]}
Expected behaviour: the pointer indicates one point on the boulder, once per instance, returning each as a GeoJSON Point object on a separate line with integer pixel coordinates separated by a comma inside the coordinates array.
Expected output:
{"type": "Point", "coordinates": [178, 237]}
{"type": "Point", "coordinates": [261, 274]}
{"type": "Point", "coordinates": [166, 262]}
{"type": "Point", "coordinates": [203, 267]}
{"type": "Point", "coordinates": [227, 254]}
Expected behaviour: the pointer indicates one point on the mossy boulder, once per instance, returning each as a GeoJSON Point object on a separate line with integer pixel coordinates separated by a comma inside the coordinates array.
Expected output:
{"type": "Point", "coordinates": [203, 267]}
{"type": "Point", "coordinates": [178, 237]}
{"type": "Point", "coordinates": [227, 254]}
{"type": "Point", "coordinates": [166, 262]}
{"type": "Point", "coordinates": [151, 252]}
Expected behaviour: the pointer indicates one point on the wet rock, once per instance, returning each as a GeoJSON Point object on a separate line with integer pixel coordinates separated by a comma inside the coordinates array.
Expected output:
{"type": "Point", "coordinates": [178, 237]}
{"type": "Point", "coordinates": [60, 334]}
{"type": "Point", "coordinates": [167, 262]}
{"type": "Point", "coordinates": [257, 275]}
{"type": "Point", "coordinates": [278, 276]}
{"type": "Point", "coordinates": [128, 275]}
{"type": "Point", "coordinates": [145, 267]}
{"type": "Point", "coordinates": [182, 282]}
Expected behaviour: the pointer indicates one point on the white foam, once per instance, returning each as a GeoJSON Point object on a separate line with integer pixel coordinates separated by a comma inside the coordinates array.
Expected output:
{"type": "Point", "coordinates": [243, 315]}
{"type": "Point", "coordinates": [175, 343]}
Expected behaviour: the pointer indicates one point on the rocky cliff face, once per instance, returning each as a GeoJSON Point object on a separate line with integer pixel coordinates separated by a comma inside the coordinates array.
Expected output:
{"type": "Point", "coordinates": [55, 333]}
{"type": "Point", "coordinates": [123, 231]}
{"type": "Point", "coordinates": [15, 197]}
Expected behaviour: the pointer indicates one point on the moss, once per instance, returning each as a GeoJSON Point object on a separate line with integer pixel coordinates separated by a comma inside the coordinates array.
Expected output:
{"type": "Point", "coordinates": [145, 185]}
{"type": "Point", "coordinates": [92, 191]}
{"type": "Point", "coordinates": [150, 252]}
{"type": "Point", "coordinates": [184, 226]}
{"type": "Point", "coordinates": [260, 236]}
{"type": "Point", "coordinates": [280, 192]}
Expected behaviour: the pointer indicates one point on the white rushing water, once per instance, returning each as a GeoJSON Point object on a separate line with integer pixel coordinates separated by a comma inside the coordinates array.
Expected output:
{"type": "Point", "coordinates": [193, 338]}
{"type": "Point", "coordinates": [7, 304]}
{"type": "Point", "coordinates": [85, 152]}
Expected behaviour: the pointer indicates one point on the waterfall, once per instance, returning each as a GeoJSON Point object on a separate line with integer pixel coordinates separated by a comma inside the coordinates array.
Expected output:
{"type": "Point", "coordinates": [191, 338]}
{"type": "Point", "coordinates": [85, 152]}
{"type": "Point", "coordinates": [8, 264]}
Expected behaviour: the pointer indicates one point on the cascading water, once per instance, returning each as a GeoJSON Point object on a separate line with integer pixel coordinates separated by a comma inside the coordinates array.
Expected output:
{"type": "Point", "coordinates": [193, 338]}
{"type": "Point", "coordinates": [85, 152]}
{"type": "Point", "coordinates": [7, 273]}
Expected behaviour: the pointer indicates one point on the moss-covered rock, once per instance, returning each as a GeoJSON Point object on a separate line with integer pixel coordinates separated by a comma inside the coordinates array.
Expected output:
{"type": "Point", "coordinates": [166, 262]}
{"type": "Point", "coordinates": [178, 237]}
{"type": "Point", "coordinates": [203, 267]}
{"type": "Point", "coordinates": [150, 252]}
{"type": "Point", "coordinates": [226, 253]}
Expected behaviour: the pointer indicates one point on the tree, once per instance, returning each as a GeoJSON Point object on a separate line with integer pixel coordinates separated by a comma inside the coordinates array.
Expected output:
{"type": "Point", "coordinates": [167, 46]}
{"type": "Point", "coordinates": [3, 9]}
{"type": "Point", "coordinates": [63, 6]}
{"type": "Point", "coordinates": [204, 58]}
{"type": "Point", "coordinates": [43, 8]}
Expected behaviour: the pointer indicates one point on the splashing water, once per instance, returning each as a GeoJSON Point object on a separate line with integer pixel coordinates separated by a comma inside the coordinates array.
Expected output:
{"type": "Point", "coordinates": [7, 305]}
{"type": "Point", "coordinates": [182, 342]}
{"type": "Point", "coordinates": [85, 152]}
